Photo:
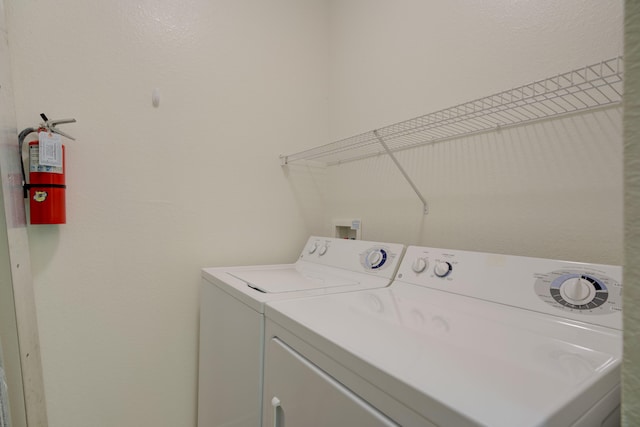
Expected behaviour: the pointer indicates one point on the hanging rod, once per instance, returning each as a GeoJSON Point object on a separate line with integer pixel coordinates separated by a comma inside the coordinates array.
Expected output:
{"type": "Point", "coordinates": [594, 86]}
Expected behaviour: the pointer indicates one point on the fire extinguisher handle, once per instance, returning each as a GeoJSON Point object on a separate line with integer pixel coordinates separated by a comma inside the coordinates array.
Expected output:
{"type": "Point", "coordinates": [51, 126]}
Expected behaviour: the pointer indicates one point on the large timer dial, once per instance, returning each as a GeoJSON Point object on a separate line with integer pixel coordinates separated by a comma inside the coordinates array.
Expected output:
{"type": "Point", "coordinates": [579, 291]}
{"type": "Point", "coordinates": [374, 258]}
{"type": "Point", "coordinates": [575, 290]}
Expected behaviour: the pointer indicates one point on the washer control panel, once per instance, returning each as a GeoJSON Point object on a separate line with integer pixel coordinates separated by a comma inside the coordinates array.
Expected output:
{"type": "Point", "coordinates": [354, 255]}
{"type": "Point", "coordinates": [586, 292]}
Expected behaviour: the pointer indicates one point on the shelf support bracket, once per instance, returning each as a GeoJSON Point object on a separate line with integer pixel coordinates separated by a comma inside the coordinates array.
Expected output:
{"type": "Point", "coordinates": [402, 171]}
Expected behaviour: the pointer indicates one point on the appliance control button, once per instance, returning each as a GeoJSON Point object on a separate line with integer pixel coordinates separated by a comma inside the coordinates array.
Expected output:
{"type": "Point", "coordinates": [442, 269]}
{"type": "Point", "coordinates": [419, 265]}
{"type": "Point", "coordinates": [323, 250]}
{"type": "Point", "coordinates": [577, 290]}
{"type": "Point", "coordinates": [376, 258]}
{"type": "Point", "coordinates": [313, 248]}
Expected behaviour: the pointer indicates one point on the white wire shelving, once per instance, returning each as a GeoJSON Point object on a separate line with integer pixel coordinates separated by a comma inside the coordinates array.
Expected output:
{"type": "Point", "coordinates": [594, 86]}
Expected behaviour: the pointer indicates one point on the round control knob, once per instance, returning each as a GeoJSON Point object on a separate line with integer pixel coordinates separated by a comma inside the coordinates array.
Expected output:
{"type": "Point", "coordinates": [442, 268]}
{"type": "Point", "coordinates": [419, 265]}
{"type": "Point", "coordinates": [313, 247]}
{"type": "Point", "coordinates": [323, 250]}
{"type": "Point", "coordinates": [374, 258]}
{"type": "Point", "coordinates": [577, 291]}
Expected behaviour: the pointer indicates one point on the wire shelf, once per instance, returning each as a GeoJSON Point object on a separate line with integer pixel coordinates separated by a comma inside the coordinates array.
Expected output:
{"type": "Point", "coordinates": [594, 86]}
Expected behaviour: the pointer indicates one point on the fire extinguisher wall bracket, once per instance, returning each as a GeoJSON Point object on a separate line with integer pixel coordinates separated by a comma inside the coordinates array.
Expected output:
{"type": "Point", "coordinates": [46, 188]}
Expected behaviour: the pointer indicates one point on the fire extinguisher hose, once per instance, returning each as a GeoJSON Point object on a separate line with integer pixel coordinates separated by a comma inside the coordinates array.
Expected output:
{"type": "Point", "coordinates": [21, 137]}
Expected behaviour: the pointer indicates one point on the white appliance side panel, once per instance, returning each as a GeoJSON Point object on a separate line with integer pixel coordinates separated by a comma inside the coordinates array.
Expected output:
{"type": "Point", "coordinates": [309, 397]}
{"type": "Point", "coordinates": [230, 365]}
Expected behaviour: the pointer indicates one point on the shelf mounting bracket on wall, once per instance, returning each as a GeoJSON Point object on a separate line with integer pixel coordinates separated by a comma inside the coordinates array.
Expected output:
{"type": "Point", "coordinates": [402, 171]}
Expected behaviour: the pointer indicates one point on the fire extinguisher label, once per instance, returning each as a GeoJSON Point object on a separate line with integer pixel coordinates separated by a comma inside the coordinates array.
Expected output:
{"type": "Point", "coordinates": [36, 166]}
{"type": "Point", "coordinates": [40, 196]}
{"type": "Point", "coordinates": [50, 153]}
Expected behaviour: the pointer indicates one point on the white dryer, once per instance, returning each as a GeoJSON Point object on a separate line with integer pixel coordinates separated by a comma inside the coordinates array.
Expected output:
{"type": "Point", "coordinates": [232, 303]}
{"type": "Point", "coordinates": [458, 339]}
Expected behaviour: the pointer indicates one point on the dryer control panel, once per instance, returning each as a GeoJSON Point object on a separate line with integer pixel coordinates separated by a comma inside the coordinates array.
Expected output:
{"type": "Point", "coordinates": [590, 292]}
{"type": "Point", "coordinates": [587, 292]}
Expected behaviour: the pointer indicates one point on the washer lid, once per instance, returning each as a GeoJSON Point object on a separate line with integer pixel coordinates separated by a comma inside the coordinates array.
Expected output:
{"type": "Point", "coordinates": [289, 280]}
{"type": "Point", "coordinates": [442, 354]}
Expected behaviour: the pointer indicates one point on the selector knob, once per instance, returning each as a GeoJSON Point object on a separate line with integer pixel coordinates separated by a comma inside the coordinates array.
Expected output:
{"type": "Point", "coordinates": [313, 247]}
{"type": "Point", "coordinates": [323, 250]}
{"type": "Point", "coordinates": [442, 268]}
{"type": "Point", "coordinates": [419, 265]}
{"type": "Point", "coordinates": [376, 258]}
{"type": "Point", "coordinates": [577, 291]}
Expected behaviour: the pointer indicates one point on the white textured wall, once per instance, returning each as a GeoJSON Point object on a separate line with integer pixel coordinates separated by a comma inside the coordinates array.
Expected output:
{"type": "Point", "coordinates": [631, 367]}
{"type": "Point", "coordinates": [552, 189]}
{"type": "Point", "coordinates": [154, 194]}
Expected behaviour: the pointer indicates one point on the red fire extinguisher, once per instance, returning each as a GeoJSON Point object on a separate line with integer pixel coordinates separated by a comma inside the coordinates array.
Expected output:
{"type": "Point", "coordinates": [46, 188]}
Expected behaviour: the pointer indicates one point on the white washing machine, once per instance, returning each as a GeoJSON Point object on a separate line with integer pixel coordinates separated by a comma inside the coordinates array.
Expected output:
{"type": "Point", "coordinates": [232, 320]}
{"type": "Point", "coordinates": [458, 339]}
